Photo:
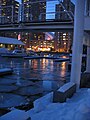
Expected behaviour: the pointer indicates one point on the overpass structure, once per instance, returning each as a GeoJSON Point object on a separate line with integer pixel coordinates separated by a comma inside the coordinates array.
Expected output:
{"type": "Point", "coordinates": [46, 26]}
{"type": "Point", "coordinates": [39, 26]}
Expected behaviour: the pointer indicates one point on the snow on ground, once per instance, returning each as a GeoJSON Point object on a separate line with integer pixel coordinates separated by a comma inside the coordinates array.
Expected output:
{"type": "Point", "coordinates": [76, 108]}
{"type": "Point", "coordinates": [15, 115]}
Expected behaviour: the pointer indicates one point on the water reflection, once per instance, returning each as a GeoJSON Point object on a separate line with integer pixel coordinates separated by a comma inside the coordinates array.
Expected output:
{"type": "Point", "coordinates": [31, 78]}
{"type": "Point", "coordinates": [50, 85]}
{"type": "Point", "coordinates": [24, 65]}
{"type": "Point", "coordinates": [46, 70]}
{"type": "Point", "coordinates": [63, 69]}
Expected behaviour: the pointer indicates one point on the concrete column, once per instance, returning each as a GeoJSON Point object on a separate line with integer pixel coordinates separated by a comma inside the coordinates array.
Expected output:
{"type": "Point", "coordinates": [77, 42]}
{"type": "Point", "coordinates": [88, 60]}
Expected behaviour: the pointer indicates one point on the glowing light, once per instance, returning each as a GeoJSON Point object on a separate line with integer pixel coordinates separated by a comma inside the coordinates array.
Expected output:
{"type": "Point", "coordinates": [28, 48]}
{"type": "Point", "coordinates": [11, 45]}
{"type": "Point", "coordinates": [64, 57]}
{"type": "Point", "coordinates": [44, 49]}
{"type": "Point", "coordinates": [64, 34]}
{"type": "Point", "coordinates": [1, 45]}
{"type": "Point", "coordinates": [19, 37]}
{"type": "Point", "coordinates": [63, 69]}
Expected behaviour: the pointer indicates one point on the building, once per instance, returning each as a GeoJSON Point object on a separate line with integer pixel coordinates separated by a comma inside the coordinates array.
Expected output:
{"type": "Point", "coordinates": [64, 12]}
{"type": "Point", "coordinates": [9, 11]}
{"type": "Point", "coordinates": [33, 10]}
{"type": "Point", "coordinates": [36, 10]}
{"type": "Point", "coordinates": [43, 41]}
{"type": "Point", "coordinates": [9, 34]}
{"type": "Point", "coordinates": [10, 43]}
{"type": "Point", "coordinates": [38, 41]}
{"type": "Point", "coordinates": [64, 41]}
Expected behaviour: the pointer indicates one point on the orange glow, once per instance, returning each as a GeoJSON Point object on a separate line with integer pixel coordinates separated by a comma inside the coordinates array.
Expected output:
{"type": "Point", "coordinates": [63, 65]}
{"type": "Point", "coordinates": [63, 69]}
{"type": "Point", "coordinates": [44, 49]}
{"type": "Point", "coordinates": [35, 64]}
{"type": "Point", "coordinates": [63, 56]}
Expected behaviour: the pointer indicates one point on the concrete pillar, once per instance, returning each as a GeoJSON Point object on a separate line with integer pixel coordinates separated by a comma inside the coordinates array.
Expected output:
{"type": "Point", "coordinates": [77, 42]}
{"type": "Point", "coordinates": [88, 60]}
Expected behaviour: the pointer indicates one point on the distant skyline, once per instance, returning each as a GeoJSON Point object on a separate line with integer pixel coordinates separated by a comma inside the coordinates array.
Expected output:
{"type": "Point", "coordinates": [71, 0]}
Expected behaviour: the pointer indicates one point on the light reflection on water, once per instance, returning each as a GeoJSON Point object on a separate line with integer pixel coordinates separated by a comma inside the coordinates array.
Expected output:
{"type": "Point", "coordinates": [63, 69]}
{"type": "Point", "coordinates": [52, 74]}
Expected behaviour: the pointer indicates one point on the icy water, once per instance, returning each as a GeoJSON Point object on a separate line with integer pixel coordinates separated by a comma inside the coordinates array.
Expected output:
{"type": "Point", "coordinates": [30, 80]}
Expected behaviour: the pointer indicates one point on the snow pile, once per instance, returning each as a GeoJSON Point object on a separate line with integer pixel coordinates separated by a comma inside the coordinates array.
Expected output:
{"type": "Point", "coordinates": [66, 86]}
{"type": "Point", "coordinates": [76, 108]}
{"type": "Point", "coordinates": [15, 115]}
{"type": "Point", "coordinates": [42, 102]}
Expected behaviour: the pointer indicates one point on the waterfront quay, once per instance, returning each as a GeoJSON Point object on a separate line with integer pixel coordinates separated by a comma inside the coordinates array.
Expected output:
{"type": "Point", "coordinates": [31, 79]}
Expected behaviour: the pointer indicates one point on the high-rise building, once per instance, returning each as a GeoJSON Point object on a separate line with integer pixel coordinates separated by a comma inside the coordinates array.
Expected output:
{"type": "Point", "coordinates": [64, 12]}
{"type": "Point", "coordinates": [64, 41]}
{"type": "Point", "coordinates": [9, 11]}
{"type": "Point", "coordinates": [31, 39]}
{"type": "Point", "coordinates": [33, 10]}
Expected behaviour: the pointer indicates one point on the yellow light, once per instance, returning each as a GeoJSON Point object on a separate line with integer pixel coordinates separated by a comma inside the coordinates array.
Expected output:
{"type": "Point", "coordinates": [64, 43]}
{"type": "Point", "coordinates": [1, 45]}
{"type": "Point", "coordinates": [64, 34]}
{"type": "Point", "coordinates": [11, 45]}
